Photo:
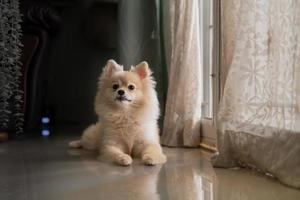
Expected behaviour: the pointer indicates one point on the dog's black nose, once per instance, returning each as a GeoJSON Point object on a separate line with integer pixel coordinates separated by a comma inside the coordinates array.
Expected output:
{"type": "Point", "coordinates": [121, 92]}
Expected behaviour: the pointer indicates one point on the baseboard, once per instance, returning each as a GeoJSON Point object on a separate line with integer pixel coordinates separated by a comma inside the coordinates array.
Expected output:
{"type": "Point", "coordinates": [209, 144]}
{"type": "Point", "coordinates": [208, 147]}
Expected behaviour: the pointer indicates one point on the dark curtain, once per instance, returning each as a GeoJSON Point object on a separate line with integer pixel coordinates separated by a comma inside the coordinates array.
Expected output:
{"type": "Point", "coordinates": [140, 39]}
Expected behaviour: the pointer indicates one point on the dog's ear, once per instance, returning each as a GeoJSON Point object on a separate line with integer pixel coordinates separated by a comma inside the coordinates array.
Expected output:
{"type": "Point", "coordinates": [142, 70]}
{"type": "Point", "coordinates": [111, 68]}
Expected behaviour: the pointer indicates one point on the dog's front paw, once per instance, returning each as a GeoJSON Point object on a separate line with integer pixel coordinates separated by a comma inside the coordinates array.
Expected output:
{"type": "Point", "coordinates": [75, 144]}
{"type": "Point", "coordinates": [124, 160]}
{"type": "Point", "coordinates": [153, 159]}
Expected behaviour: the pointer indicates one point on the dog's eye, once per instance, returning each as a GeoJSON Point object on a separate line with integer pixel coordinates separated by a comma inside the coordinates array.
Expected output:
{"type": "Point", "coordinates": [115, 86]}
{"type": "Point", "coordinates": [131, 87]}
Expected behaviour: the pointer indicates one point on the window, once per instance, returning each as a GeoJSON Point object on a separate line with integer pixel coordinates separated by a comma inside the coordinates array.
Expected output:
{"type": "Point", "coordinates": [209, 25]}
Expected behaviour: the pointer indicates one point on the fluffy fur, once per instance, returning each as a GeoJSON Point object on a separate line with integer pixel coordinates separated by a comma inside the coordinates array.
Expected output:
{"type": "Point", "coordinates": [127, 125]}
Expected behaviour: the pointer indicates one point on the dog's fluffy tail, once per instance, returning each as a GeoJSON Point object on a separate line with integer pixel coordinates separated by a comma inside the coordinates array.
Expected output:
{"type": "Point", "coordinates": [90, 138]}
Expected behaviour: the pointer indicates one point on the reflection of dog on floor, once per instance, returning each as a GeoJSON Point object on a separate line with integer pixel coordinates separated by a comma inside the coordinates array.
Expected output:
{"type": "Point", "coordinates": [104, 181]}
{"type": "Point", "coordinates": [128, 109]}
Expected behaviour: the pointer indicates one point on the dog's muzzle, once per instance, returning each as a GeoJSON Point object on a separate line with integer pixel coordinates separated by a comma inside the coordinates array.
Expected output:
{"type": "Point", "coordinates": [122, 98]}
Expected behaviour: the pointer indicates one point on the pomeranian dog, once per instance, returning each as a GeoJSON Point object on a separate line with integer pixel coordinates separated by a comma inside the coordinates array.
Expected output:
{"type": "Point", "coordinates": [128, 109]}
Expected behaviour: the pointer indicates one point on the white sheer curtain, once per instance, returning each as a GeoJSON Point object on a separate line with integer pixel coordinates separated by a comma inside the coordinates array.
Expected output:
{"type": "Point", "coordinates": [259, 114]}
{"type": "Point", "coordinates": [183, 106]}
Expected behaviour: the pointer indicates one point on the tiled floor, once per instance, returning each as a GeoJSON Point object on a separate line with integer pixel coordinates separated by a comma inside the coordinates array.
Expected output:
{"type": "Point", "coordinates": [42, 169]}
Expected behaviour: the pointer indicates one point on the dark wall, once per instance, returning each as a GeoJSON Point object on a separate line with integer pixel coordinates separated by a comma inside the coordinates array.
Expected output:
{"type": "Point", "coordinates": [87, 39]}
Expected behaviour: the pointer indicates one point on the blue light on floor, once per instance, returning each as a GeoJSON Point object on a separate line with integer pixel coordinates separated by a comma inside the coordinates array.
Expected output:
{"type": "Point", "coordinates": [45, 132]}
{"type": "Point", "coordinates": [45, 120]}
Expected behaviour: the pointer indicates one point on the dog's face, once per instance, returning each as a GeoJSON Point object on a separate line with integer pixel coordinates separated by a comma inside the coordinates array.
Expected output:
{"type": "Point", "coordinates": [125, 88]}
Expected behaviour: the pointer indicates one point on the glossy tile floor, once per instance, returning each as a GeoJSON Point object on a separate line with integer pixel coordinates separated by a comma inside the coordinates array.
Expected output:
{"type": "Point", "coordinates": [42, 169]}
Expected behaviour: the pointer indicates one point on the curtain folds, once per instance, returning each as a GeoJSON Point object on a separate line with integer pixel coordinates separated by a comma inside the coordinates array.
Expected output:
{"type": "Point", "coordinates": [183, 105]}
{"type": "Point", "coordinates": [259, 117]}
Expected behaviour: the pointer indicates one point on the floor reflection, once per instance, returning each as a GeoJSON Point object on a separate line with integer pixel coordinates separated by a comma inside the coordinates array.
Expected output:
{"type": "Point", "coordinates": [117, 182]}
{"type": "Point", "coordinates": [190, 177]}
{"type": "Point", "coordinates": [251, 185]}
{"type": "Point", "coordinates": [39, 169]}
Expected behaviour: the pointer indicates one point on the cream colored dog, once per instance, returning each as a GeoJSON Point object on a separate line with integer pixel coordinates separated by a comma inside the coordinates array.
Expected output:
{"type": "Point", "coordinates": [128, 110]}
